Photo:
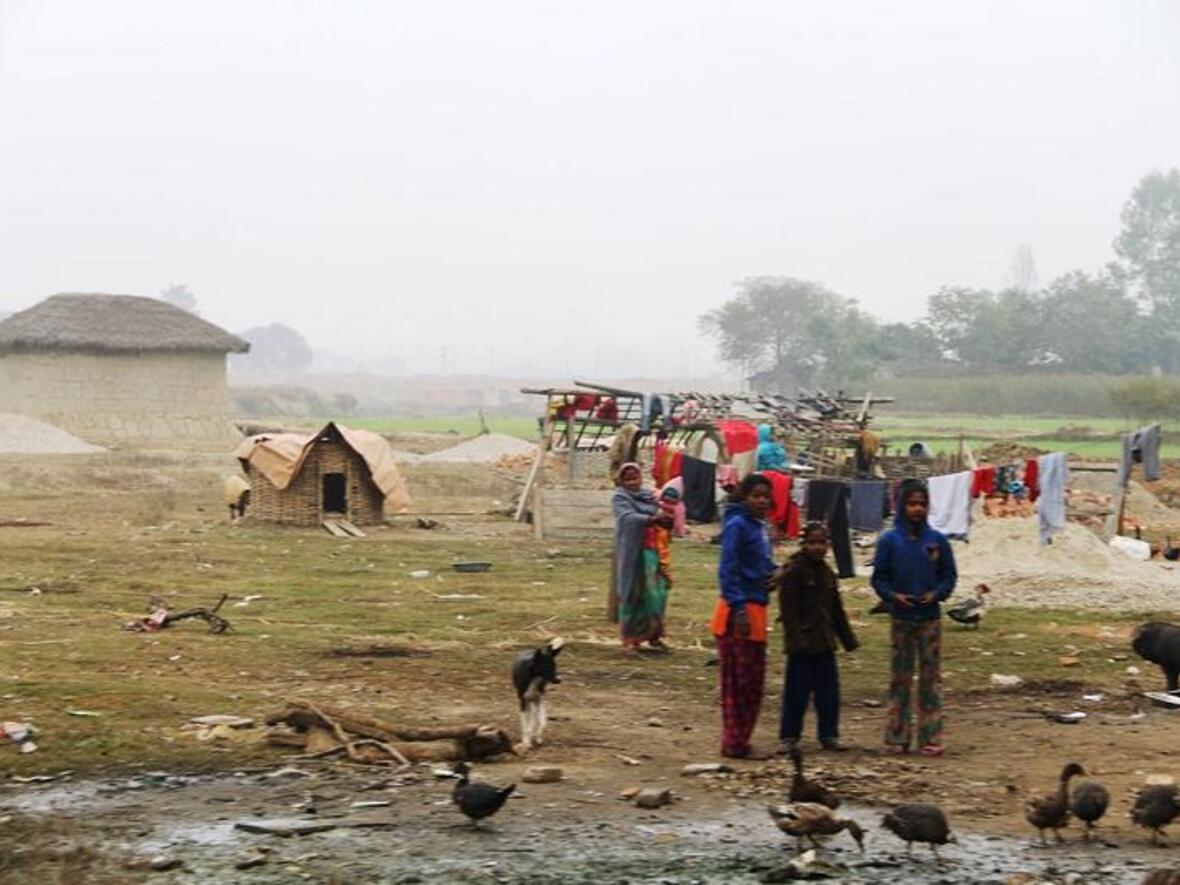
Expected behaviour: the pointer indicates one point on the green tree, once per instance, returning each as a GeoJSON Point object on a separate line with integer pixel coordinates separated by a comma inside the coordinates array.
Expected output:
{"type": "Point", "coordinates": [1093, 325]}
{"type": "Point", "coordinates": [796, 327]}
{"type": "Point", "coordinates": [179, 295]}
{"type": "Point", "coordinates": [986, 328]}
{"type": "Point", "coordinates": [1149, 243]}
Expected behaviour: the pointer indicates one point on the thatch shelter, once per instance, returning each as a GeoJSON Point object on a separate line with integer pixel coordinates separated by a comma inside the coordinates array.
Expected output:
{"type": "Point", "coordinates": [336, 472]}
{"type": "Point", "coordinates": [118, 369]}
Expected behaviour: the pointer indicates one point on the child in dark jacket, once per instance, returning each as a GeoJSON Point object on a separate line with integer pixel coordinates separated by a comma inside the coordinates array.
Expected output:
{"type": "Point", "coordinates": [814, 620]}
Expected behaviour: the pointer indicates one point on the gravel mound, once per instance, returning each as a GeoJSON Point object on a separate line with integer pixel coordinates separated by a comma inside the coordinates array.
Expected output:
{"type": "Point", "coordinates": [485, 449]}
{"type": "Point", "coordinates": [1078, 570]}
{"type": "Point", "coordinates": [23, 435]}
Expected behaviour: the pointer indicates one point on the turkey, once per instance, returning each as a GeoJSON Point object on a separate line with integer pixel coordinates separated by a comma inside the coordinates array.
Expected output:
{"type": "Point", "coordinates": [970, 612]}
{"type": "Point", "coordinates": [1155, 807]}
{"type": "Point", "coordinates": [478, 801]}
{"type": "Point", "coordinates": [919, 823]}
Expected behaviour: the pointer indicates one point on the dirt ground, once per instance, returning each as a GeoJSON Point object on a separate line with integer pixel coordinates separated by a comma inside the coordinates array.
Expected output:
{"type": "Point", "coordinates": [123, 527]}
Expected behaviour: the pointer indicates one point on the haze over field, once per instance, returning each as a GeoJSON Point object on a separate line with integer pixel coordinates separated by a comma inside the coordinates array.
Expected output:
{"type": "Point", "coordinates": [548, 188]}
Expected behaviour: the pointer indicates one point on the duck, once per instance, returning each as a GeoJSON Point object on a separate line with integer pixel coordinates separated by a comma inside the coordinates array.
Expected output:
{"type": "Point", "coordinates": [804, 790]}
{"type": "Point", "coordinates": [970, 612]}
{"type": "Point", "coordinates": [1088, 803]}
{"type": "Point", "coordinates": [1156, 806]}
{"type": "Point", "coordinates": [810, 819]}
{"type": "Point", "coordinates": [1051, 812]}
{"type": "Point", "coordinates": [919, 822]}
{"type": "Point", "coordinates": [477, 801]}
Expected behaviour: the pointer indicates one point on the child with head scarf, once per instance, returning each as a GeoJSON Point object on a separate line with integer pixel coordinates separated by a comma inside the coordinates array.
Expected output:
{"type": "Point", "coordinates": [913, 571]}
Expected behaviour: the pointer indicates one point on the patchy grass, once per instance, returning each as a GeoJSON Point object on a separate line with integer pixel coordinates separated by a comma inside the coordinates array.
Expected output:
{"type": "Point", "coordinates": [1097, 438]}
{"type": "Point", "coordinates": [67, 650]}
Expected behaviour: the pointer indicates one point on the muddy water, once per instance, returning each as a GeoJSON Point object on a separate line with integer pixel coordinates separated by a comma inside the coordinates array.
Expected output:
{"type": "Point", "coordinates": [549, 834]}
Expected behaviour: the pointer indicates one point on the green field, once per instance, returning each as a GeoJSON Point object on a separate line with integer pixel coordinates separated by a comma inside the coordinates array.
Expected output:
{"type": "Point", "coordinates": [461, 425]}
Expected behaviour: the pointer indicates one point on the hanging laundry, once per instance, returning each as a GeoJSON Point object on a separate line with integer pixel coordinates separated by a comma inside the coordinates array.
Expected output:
{"type": "Point", "coordinates": [771, 454]}
{"type": "Point", "coordinates": [740, 436]}
{"type": "Point", "coordinates": [780, 498]}
{"type": "Point", "coordinates": [1032, 479]}
{"type": "Point", "coordinates": [1141, 446]}
{"type": "Point", "coordinates": [700, 489]}
{"type": "Point", "coordinates": [868, 505]}
{"type": "Point", "coordinates": [744, 462]}
{"type": "Point", "coordinates": [608, 410]}
{"type": "Point", "coordinates": [950, 503]}
{"type": "Point", "coordinates": [1053, 473]}
{"type": "Point", "coordinates": [983, 482]}
{"type": "Point", "coordinates": [827, 502]}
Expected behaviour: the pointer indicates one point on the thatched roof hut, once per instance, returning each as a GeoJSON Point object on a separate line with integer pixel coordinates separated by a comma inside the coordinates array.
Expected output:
{"type": "Point", "coordinates": [303, 479]}
{"type": "Point", "coordinates": [112, 323]}
{"type": "Point", "coordinates": [118, 369]}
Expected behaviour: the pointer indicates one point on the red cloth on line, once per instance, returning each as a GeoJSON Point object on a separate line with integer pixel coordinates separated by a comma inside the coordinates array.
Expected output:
{"type": "Point", "coordinates": [608, 410]}
{"type": "Point", "coordinates": [780, 497]}
{"type": "Point", "coordinates": [585, 402]}
{"type": "Point", "coordinates": [675, 464]}
{"type": "Point", "coordinates": [740, 436]}
{"type": "Point", "coordinates": [743, 675]}
{"type": "Point", "coordinates": [984, 481]}
{"type": "Point", "coordinates": [1030, 479]}
{"type": "Point", "coordinates": [657, 463]}
{"type": "Point", "coordinates": [794, 520]}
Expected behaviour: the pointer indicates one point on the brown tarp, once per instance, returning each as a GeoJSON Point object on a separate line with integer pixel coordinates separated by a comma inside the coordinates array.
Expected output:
{"type": "Point", "coordinates": [280, 456]}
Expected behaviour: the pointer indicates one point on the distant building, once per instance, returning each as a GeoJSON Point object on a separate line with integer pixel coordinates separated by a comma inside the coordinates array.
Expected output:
{"type": "Point", "coordinates": [118, 369]}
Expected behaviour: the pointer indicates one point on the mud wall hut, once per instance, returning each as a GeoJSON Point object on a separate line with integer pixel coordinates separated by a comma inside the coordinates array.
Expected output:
{"type": "Point", "coordinates": [337, 472]}
{"type": "Point", "coordinates": [118, 369]}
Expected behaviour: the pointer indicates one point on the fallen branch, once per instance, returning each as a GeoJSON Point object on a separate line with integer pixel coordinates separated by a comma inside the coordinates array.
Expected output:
{"type": "Point", "coordinates": [162, 618]}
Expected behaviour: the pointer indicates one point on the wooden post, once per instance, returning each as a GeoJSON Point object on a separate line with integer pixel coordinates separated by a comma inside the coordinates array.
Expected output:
{"type": "Point", "coordinates": [538, 465]}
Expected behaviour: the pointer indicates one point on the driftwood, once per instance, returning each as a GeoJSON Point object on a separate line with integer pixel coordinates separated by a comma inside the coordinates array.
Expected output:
{"type": "Point", "coordinates": [156, 621]}
{"type": "Point", "coordinates": [352, 731]}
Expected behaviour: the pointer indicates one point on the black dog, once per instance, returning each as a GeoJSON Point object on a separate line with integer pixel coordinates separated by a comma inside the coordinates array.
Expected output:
{"type": "Point", "coordinates": [534, 669]}
{"type": "Point", "coordinates": [1159, 642]}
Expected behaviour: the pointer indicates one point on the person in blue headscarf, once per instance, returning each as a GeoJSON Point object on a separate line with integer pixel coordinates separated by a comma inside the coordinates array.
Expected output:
{"type": "Point", "coordinates": [771, 455]}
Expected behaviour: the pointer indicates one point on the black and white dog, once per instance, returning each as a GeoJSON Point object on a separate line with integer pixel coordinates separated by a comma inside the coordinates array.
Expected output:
{"type": "Point", "coordinates": [533, 671]}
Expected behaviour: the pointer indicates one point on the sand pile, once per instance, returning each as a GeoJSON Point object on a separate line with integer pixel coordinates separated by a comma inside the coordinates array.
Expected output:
{"type": "Point", "coordinates": [1078, 570]}
{"type": "Point", "coordinates": [22, 435]}
{"type": "Point", "coordinates": [485, 449]}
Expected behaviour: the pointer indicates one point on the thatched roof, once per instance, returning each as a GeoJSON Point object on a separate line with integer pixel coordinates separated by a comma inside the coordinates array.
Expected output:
{"type": "Point", "coordinates": [106, 323]}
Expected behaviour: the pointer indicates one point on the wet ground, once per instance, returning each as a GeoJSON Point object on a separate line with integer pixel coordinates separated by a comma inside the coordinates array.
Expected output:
{"type": "Point", "coordinates": [402, 828]}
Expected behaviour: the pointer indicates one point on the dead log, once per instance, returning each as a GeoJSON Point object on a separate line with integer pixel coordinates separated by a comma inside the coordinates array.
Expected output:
{"type": "Point", "coordinates": [317, 727]}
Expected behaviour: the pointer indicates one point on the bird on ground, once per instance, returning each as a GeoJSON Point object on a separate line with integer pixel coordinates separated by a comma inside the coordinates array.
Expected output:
{"type": "Point", "coordinates": [477, 801]}
{"type": "Point", "coordinates": [919, 822]}
{"type": "Point", "coordinates": [1088, 803]}
{"type": "Point", "coordinates": [1051, 812]}
{"type": "Point", "coordinates": [970, 612]}
{"type": "Point", "coordinates": [1156, 806]}
{"type": "Point", "coordinates": [810, 819]}
{"type": "Point", "coordinates": [804, 790]}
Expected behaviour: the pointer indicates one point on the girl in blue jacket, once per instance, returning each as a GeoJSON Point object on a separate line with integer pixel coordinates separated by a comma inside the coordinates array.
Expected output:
{"type": "Point", "coordinates": [739, 620]}
{"type": "Point", "coordinates": [913, 571]}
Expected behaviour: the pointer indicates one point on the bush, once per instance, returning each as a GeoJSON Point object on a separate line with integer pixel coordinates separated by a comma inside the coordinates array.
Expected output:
{"type": "Point", "coordinates": [1147, 398]}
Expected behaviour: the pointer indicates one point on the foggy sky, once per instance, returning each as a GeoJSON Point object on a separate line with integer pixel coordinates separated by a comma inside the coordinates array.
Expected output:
{"type": "Point", "coordinates": [564, 186]}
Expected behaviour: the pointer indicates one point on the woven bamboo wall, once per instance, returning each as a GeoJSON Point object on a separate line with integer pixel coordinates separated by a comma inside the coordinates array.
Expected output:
{"type": "Point", "coordinates": [301, 503]}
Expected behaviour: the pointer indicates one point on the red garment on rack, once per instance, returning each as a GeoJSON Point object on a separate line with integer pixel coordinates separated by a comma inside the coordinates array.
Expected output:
{"type": "Point", "coordinates": [780, 498]}
{"type": "Point", "coordinates": [794, 519]}
{"type": "Point", "coordinates": [1030, 479]}
{"type": "Point", "coordinates": [608, 410]}
{"type": "Point", "coordinates": [740, 436]}
{"type": "Point", "coordinates": [585, 402]}
{"type": "Point", "coordinates": [984, 481]}
{"type": "Point", "coordinates": [657, 464]}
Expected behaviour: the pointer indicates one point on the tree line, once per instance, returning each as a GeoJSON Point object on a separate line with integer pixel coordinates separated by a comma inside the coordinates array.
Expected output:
{"type": "Point", "coordinates": [1122, 319]}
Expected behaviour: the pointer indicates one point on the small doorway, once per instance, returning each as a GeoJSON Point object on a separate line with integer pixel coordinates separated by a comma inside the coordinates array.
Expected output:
{"type": "Point", "coordinates": [335, 498]}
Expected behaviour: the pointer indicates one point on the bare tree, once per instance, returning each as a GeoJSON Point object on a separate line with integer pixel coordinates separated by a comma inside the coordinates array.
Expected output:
{"type": "Point", "coordinates": [1022, 272]}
